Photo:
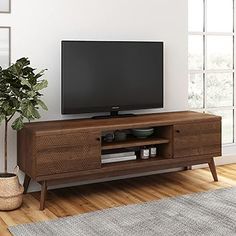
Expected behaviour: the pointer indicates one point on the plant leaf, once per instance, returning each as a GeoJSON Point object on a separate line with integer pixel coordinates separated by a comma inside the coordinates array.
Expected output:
{"type": "Point", "coordinates": [20, 91]}
{"type": "Point", "coordinates": [26, 108]}
{"type": "Point", "coordinates": [24, 61]}
{"type": "Point", "coordinates": [35, 113]}
{"type": "Point", "coordinates": [41, 73]}
{"type": "Point", "coordinates": [43, 84]}
{"type": "Point", "coordinates": [31, 93]}
{"type": "Point", "coordinates": [18, 123]}
{"type": "Point", "coordinates": [25, 82]}
{"type": "Point", "coordinates": [5, 106]}
{"type": "Point", "coordinates": [42, 104]}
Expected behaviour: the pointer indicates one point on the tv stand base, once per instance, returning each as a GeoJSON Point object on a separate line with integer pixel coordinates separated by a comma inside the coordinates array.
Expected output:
{"type": "Point", "coordinates": [114, 115]}
{"type": "Point", "coordinates": [60, 152]}
{"type": "Point", "coordinates": [44, 184]}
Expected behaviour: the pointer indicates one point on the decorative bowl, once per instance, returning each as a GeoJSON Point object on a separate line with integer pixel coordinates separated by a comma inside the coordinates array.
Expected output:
{"type": "Point", "coordinates": [143, 132]}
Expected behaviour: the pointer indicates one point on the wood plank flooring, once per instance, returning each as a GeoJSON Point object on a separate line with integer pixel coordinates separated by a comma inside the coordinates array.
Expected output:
{"type": "Point", "coordinates": [78, 200]}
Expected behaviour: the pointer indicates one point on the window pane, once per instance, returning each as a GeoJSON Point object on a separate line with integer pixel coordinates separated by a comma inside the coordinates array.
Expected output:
{"type": "Point", "coordinates": [227, 124]}
{"type": "Point", "coordinates": [195, 97]}
{"type": "Point", "coordinates": [4, 47]}
{"type": "Point", "coordinates": [220, 15]}
{"type": "Point", "coordinates": [195, 15]}
{"type": "Point", "coordinates": [4, 5]}
{"type": "Point", "coordinates": [219, 89]}
{"type": "Point", "coordinates": [195, 52]}
{"type": "Point", "coordinates": [219, 52]}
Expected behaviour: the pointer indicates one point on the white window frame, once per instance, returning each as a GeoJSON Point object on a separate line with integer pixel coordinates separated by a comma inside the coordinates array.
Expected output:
{"type": "Point", "coordinates": [204, 71]}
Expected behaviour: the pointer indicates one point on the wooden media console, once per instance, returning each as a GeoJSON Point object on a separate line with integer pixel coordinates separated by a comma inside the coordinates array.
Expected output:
{"type": "Point", "coordinates": [54, 152]}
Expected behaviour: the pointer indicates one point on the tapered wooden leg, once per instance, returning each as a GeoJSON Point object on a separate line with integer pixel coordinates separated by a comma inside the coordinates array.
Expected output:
{"type": "Point", "coordinates": [43, 195]}
{"type": "Point", "coordinates": [26, 183]}
{"type": "Point", "coordinates": [188, 168]}
{"type": "Point", "coordinates": [213, 169]}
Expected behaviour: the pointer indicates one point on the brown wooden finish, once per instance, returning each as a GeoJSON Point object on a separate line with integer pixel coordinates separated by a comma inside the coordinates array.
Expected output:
{"type": "Point", "coordinates": [26, 183]}
{"type": "Point", "coordinates": [147, 120]}
{"type": "Point", "coordinates": [133, 142]}
{"type": "Point", "coordinates": [101, 175]}
{"type": "Point", "coordinates": [213, 169]}
{"type": "Point", "coordinates": [43, 195]}
{"type": "Point", "coordinates": [88, 198]}
{"type": "Point", "coordinates": [197, 139]}
{"type": "Point", "coordinates": [125, 168]}
{"type": "Point", "coordinates": [25, 160]}
{"type": "Point", "coordinates": [70, 150]}
{"type": "Point", "coordinates": [21, 144]}
{"type": "Point", "coordinates": [188, 168]}
{"type": "Point", "coordinates": [166, 132]}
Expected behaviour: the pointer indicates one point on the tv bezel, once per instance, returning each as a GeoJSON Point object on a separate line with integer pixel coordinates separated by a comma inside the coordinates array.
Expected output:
{"type": "Point", "coordinates": [103, 109]}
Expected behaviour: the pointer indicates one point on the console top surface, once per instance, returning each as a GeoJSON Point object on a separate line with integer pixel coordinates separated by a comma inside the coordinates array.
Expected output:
{"type": "Point", "coordinates": [146, 120]}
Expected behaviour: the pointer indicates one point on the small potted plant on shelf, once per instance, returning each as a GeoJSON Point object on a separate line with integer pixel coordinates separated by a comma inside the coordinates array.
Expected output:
{"type": "Point", "coordinates": [20, 99]}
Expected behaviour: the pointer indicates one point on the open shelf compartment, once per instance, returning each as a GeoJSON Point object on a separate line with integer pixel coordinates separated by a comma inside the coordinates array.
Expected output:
{"type": "Point", "coordinates": [162, 139]}
{"type": "Point", "coordinates": [134, 142]}
{"type": "Point", "coordinates": [135, 163]}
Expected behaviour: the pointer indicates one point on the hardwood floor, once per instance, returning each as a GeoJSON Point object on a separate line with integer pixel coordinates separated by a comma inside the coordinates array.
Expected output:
{"type": "Point", "coordinates": [78, 200]}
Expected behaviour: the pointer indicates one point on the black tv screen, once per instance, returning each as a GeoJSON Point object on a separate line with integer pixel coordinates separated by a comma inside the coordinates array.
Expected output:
{"type": "Point", "coordinates": [106, 76]}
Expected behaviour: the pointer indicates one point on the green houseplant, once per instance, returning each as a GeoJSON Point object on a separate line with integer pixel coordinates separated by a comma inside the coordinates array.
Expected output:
{"type": "Point", "coordinates": [20, 99]}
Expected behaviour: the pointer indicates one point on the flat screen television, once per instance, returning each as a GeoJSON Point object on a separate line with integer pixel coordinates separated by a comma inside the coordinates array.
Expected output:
{"type": "Point", "coordinates": [111, 76]}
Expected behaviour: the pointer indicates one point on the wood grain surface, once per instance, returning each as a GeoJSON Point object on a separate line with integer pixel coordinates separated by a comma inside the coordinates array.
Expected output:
{"type": "Point", "coordinates": [78, 200]}
{"type": "Point", "coordinates": [70, 150]}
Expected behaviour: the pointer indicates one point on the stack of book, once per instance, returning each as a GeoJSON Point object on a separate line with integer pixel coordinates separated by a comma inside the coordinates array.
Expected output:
{"type": "Point", "coordinates": [118, 157]}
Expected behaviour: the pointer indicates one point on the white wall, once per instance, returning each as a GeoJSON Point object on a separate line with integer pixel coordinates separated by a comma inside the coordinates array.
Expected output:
{"type": "Point", "coordinates": [38, 26]}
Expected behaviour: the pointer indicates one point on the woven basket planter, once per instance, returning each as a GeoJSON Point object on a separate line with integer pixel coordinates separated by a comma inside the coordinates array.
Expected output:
{"type": "Point", "coordinates": [11, 192]}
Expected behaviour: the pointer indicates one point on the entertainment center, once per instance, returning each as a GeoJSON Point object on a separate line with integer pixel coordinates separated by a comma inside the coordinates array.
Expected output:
{"type": "Point", "coordinates": [113, 76]}
{"type": "Point", "coordinates": [54, 152]}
